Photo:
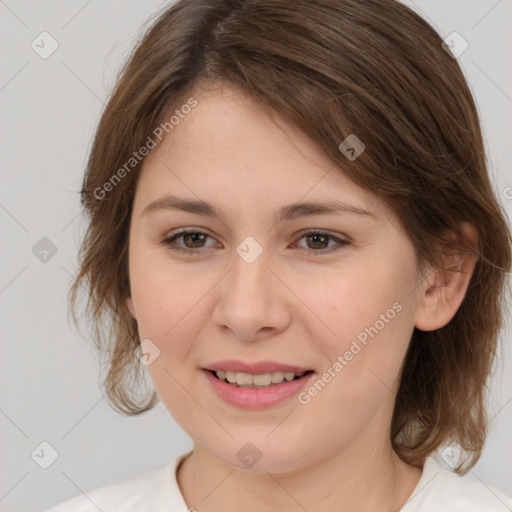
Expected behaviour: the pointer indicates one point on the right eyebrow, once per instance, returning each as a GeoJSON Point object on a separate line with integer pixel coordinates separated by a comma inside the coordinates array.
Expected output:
{"type": "Point", "coordinates": [186, 205]}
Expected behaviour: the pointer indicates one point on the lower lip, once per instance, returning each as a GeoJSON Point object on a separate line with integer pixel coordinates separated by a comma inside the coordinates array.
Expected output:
{"type": "Point", "coordinates": [256, 398]}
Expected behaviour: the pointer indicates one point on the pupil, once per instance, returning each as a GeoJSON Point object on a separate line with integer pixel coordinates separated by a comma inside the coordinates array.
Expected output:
{"type": "Point", "coordinates": [316, 237]}
{"type": "Point", "coordinates": [194, 237]}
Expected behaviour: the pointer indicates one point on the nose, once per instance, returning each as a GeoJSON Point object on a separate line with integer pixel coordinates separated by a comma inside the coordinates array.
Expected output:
{"type": "Point", "coordinates": [252, 302]}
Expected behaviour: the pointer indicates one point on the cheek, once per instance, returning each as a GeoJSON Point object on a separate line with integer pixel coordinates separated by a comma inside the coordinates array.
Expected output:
{"type": "Point", "coordinates": [163, 295]}
{"type": "Point", "coordinates": [368, 319]}
{"type": "Point", "coordinates": [356, 299]}
{"type": "Point", "coordinates": [365, 307]}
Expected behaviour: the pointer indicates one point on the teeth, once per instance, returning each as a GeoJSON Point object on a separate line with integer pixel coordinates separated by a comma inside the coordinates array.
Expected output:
{"type": "Point", "coordinates": [262, 380]}
{"type": "Point", "coordinates": [253, 381]}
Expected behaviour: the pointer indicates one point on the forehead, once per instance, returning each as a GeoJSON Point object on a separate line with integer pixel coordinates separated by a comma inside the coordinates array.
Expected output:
{"type": "Point", "coordinates": [227, 126]}
{"type": "Point", "coordinates": [228, 147]}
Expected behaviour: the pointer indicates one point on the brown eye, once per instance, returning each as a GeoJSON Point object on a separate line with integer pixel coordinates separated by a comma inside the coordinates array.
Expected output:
{"type": "Point", "coordinates": [318, 241]}
{"type": "Point", "coordinates": [194, 240]}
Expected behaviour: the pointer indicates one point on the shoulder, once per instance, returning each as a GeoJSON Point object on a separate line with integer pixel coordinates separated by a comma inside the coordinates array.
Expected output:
{"type": "Point", "coordinates": [440, 489]}
{"type": "Point", "coordinates": [153, 491]}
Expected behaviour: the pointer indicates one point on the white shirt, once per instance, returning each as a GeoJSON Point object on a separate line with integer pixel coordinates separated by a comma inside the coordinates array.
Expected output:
{"type": "Point", "coordinates": [438, 490]}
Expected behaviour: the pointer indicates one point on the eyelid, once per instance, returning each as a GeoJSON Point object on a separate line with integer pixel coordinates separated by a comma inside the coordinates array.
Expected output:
{"type": "Point", "coordinates": [169, 238]}
{"type": "Point", "coordinates": [336, 236]}
{"type": "Point", "coordinates": [341, 241]}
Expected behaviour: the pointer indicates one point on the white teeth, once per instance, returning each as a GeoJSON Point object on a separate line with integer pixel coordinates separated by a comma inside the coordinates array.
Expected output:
{"type": "Point", "coordinates": [243, 379]}
{"type": "Point", "coordinates": [277, 377]}
{"type": "Point", "coordinates": [262, 380]}
{"type": "Point", "coordinates": [252, 381]}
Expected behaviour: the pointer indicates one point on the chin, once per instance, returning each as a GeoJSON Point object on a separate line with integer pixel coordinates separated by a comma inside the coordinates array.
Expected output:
{"type": "Point", "coordinates": [261, 456]}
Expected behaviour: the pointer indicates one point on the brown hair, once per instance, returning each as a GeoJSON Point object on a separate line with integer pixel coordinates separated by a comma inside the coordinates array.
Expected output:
{"type": "Point", "coordinates": [372, 68]}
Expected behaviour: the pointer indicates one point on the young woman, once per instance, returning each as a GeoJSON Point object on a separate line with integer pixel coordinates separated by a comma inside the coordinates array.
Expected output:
{"type": "Point", "coordinates": [293, 230]}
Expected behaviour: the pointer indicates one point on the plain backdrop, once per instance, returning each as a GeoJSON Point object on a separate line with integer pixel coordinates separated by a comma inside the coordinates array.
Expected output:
{"type": "Point", "coordinates": [49, 381]}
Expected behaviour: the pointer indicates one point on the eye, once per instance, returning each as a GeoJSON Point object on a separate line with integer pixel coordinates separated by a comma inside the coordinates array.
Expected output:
{"type": "Point", "coordinates": [194, 239]}
{"type": "Point", "coordinates": [318, 241]}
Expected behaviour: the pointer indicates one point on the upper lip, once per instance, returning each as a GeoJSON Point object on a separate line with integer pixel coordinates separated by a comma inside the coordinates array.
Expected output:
{"type": "Point", "coordinates": [257, 368]}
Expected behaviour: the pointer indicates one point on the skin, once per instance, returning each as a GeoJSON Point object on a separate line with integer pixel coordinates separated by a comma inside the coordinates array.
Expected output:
{"type": "Point", "coordinates": [294, 304]}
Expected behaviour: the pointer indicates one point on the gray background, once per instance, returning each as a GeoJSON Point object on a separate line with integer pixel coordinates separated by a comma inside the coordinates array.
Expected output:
{"type": "Point", "coordinates": [49, 387]}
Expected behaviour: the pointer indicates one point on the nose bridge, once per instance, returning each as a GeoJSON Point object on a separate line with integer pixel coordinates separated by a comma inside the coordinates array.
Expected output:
{"type": "Point", "coordinates": [249, 300]}
{"type": "Point", "coordinates": [250, 273]}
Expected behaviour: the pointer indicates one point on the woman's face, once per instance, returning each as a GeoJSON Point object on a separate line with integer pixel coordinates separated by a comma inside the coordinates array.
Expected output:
{"type": "Point", "coordinates": [251, 286]}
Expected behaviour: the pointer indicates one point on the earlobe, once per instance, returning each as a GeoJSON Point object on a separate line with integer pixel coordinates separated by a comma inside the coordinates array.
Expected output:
{"type": "Point", "coordinates": [131, 309]}
{"type": "Point", "coordinates": [445, 289]}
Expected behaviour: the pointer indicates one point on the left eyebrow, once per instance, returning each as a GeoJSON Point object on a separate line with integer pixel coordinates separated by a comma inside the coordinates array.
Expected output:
{"type": "Point", "coordinates": [285, 213]}
{"type": "Point", "coordinates": [297, 210]}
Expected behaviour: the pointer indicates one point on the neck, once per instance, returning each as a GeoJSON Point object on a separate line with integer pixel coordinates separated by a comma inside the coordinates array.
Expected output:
{"type": "Point", "coordinates": [356, 478]}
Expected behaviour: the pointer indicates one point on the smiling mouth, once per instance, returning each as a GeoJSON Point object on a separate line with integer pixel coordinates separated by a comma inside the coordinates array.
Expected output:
{"type": "Point", "coordinates": [265, 380]}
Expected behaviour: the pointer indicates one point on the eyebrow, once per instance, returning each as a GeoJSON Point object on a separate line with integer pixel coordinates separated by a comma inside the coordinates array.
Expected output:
{"type": "Point", "coordinates": [285, 213]}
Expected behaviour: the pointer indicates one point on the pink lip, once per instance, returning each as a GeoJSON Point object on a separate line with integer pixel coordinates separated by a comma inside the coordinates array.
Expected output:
{"type": "Point", "coordinates": [258, 368]}
{"type": "Point", "coordinates": [256, 398]}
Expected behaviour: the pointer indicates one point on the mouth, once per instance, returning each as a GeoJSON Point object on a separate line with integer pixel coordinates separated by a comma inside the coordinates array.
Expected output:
{"type": "Point", "coordinates": [256, 385]}
{"type": "Point", "coordinates": [257, 381]}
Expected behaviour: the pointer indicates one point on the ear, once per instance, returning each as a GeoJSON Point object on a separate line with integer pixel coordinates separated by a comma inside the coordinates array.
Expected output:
{"type": "Point", "coordinates": [131, 309]}
{"type": "Point", "coordinates": [444, 289]}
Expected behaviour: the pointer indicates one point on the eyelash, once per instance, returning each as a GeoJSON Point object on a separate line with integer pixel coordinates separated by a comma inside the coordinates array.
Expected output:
{"type": "Point", "coordinates": [169, 241]}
